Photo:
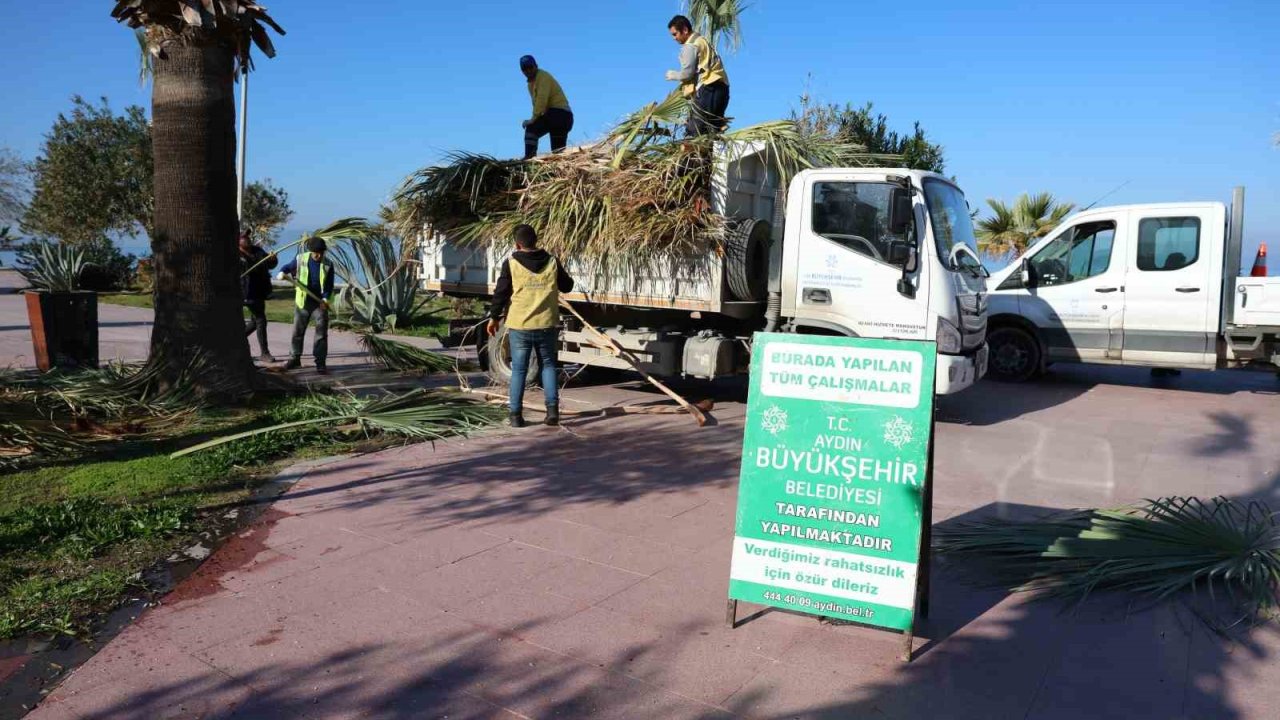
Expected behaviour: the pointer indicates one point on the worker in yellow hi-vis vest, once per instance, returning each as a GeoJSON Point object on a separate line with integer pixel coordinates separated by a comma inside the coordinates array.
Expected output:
{"type": "Point", "coordinates": [313, 285]}
{"type": "Point", "coordinates": [551, 112]}
{"type": "Point", "coordinates": [528, 296]}
{"type": "Point", "coordinates": [702, 79]}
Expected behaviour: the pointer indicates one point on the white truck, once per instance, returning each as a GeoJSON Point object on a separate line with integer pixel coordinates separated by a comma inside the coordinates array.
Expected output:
{"type": "Point", "coordinates": [1146, 285]}
{"type": "Point", "coordinates": [881, 253]}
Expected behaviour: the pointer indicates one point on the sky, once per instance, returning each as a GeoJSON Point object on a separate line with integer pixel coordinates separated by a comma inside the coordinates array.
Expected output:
{"type": "Point", "coordinates": [1175, 100]}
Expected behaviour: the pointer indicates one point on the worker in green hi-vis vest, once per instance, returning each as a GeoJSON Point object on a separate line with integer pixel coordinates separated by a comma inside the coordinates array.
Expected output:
{"type": "Point", "coordinates": [528, 296]}
{"type": "Point", "coordinates": [702, 79]}
{"type": "Point", "coordinates": [313, 287]}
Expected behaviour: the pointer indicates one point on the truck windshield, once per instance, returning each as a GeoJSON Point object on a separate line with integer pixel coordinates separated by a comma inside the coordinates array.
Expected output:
{"type": "Point", "coordinates": [952, 226]}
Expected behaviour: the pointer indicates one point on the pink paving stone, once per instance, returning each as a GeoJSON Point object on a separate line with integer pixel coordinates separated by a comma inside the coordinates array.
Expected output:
{"type": "Point", "coordinates": [516, 610]}
{"type": "Point", "coordinates": [158, 683]}
{"type": "Point", "coordinates": [584, 581]}
{"type": "Point", "coordinates": [331, 545]}
{"type": "Point", "coordinates": [454, 585]}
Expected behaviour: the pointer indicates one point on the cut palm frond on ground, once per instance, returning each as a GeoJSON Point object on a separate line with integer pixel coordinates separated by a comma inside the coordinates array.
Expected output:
{"type": "Point", "coordinates": [640, 194]}
{"type": "Point", "coordinates": [403, 357]}
{"type": "Point", "coordinates": [1158, 550]}
{"type": "Point", "coordinates": [416, 415]}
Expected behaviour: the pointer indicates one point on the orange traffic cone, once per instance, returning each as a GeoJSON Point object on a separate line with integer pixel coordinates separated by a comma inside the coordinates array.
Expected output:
{"type": "Point", "coordinates": [1260, 262]}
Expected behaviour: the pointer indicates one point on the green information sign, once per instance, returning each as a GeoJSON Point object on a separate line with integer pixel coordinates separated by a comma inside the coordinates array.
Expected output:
{"type": "Point", "coordinates": [834, 465]}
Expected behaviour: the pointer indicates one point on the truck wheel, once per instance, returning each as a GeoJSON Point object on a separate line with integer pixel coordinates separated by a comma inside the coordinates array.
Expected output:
{"type": "Point", "coordinates": [498, 353]}
{"type": "Point", "coordinates": [1015, 354]}
{"type": "Point", "coordinates": [746, 259]}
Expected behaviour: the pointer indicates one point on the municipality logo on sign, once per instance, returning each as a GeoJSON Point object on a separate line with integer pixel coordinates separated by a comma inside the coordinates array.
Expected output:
{"type": "Point", "coordinates": [774, 420]}
{"type": "Point", "coordinates": [898, 432]}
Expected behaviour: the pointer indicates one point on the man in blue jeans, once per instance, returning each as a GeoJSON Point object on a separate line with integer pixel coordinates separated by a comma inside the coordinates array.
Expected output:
{"type": "Point", "coordinates": [528, 296]}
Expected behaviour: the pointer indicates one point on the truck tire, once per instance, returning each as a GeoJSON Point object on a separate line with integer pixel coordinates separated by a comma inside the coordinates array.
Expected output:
{"type": "Point", "coordinates": [1015, 354]}
{"type": "Point", "coordinates": [746, 259]}
{"type": "Point", "coordinates": [498, 356]}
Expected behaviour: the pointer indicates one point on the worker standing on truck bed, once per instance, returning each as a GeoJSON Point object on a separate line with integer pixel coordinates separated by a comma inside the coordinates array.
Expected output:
{"type": "Point", "coordinates": [551, 113]}
{"type": "Point", "coordinates": [702, 78]}
{"type": "Point", "coordinates": [528, 295]}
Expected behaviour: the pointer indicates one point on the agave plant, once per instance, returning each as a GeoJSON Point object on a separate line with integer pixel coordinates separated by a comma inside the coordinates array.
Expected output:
{"type": "Point", "coordinates": [418, 414]}
{"type": "Point", "coordinates": [1168, 546]}
{"type": "Point", "coordinates": [381, 281]}
{"type": "Point", "coordinates": [55, 267]}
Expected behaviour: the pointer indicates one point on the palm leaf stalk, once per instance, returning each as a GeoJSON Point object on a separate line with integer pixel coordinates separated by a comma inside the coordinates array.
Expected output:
{"type": "Point", "coordinates": [1156, 551]}
{"type": "Point", "coordinates": [403, 357]}
{"type": "Point", "coordinates": [419, 414]}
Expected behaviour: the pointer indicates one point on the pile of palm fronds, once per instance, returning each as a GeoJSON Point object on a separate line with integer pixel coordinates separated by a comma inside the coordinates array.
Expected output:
{"type": "Point", "coordinates": [403, 357]}
{"type": "Point", "coordinates": [418, 415]}
{"type": "Point", "coordinates": [637, 195]}
{"type": "Point", "coordinates": [1168, 546]}
{"type": "Point", "coordinates": [65, 410]}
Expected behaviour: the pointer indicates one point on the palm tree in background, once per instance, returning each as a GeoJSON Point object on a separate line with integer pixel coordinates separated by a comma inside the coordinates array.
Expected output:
{"type": "Point", "coordinates": [196, 49]}
{"type": "Point", "coordinates": [717, 21]}
{"type": "Point", "coordinates": [1010, 230]}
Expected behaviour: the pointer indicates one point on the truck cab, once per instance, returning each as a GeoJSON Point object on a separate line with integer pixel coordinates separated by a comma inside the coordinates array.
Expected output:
{"type": "Point", "coordinates": [886, 254]}
{"type": "Point", "coordinates": [1149, 285]}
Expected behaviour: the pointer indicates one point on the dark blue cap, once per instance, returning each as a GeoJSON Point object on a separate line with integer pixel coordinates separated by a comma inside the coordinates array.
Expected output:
{"type": "Point", "coordinates": [527, 62]}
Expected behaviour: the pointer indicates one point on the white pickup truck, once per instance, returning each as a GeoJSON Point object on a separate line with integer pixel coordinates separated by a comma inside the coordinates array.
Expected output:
{"type": "Point", "coordinates": [1147, 285]}
{"type": "Point", "coordinates": [880, 253]}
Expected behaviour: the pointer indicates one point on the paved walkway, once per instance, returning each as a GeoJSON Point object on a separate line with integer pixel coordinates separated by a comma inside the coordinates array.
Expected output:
{"type": "Point", "coordinates": [124, 333]}
{"type": "Point", "coordinates": [582, 573]}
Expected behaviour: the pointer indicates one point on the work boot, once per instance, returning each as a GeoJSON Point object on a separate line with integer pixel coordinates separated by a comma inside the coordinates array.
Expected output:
{"type": "Point", "coordinates": [322, 370]}
{"type": "Point", "coordinates": [267, 358]}
{"type": "Point", "coordinates": [517, 420]}
{"type": "Point", "coordinates": [293, 364]}
{"type": "Point", "coordinates": [553, 415]}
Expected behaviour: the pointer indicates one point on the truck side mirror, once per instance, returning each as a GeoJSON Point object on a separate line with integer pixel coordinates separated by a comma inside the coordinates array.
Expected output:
{"type": "Point", "coordinates": [903, 255]}
{"type": "Point", "coordinates": [1028, 280]}
{"type": "Point", "coordinates": [901, 212]}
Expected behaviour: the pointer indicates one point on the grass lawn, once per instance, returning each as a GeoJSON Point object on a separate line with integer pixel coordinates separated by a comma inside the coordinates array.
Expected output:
{"type": "Point", "coordinates": [76, 533]}
{"type": "Point", "coordinates": [280, 310]}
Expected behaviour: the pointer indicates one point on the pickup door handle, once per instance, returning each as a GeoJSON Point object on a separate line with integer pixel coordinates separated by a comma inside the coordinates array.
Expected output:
{"type": "Point", "coordinates": [1105, 290]}
{"type": "Point", "coordinates": [1188, 290]}
{"type": "Point", "coordinates": [817, 296]}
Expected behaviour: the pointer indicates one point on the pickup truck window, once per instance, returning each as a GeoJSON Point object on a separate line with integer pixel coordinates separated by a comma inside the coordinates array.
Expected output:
{"type": "Point", "coordinates": [1079, 253]}
{"type": "Point", "coordinates": [856, 215]}
{"type": "Point", "coordinates": [1168, 243]}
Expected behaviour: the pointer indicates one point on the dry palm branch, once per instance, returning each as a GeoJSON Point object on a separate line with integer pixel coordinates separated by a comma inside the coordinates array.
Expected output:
{"type": "Point", "coordinates": [415, 415]}
{"type": "Point", "coordinates": [1227, 549]}
{"type": "Point", "coordinates": [403, 357]}
{"type": "Point", "coordinates": [638, 195]}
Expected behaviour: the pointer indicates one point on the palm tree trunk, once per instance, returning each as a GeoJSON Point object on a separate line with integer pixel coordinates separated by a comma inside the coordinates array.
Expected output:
{"type": "Point", "coordinates": [197, 284]}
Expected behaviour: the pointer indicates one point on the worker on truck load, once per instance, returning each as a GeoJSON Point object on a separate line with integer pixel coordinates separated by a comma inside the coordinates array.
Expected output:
{"type": "Point", "coordinates": [312, 288]}
{"type": "Point", "coordinates": [551, 113]}
{"type": "Point", "coordinates": [702, 79]}
{"type": "Point", "coordinates": [528, 295]}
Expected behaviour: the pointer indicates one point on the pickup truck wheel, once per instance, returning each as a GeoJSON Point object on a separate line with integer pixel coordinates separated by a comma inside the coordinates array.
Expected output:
{"type": "Point", "coordinates": [498, 353]}
{"type": "Point", "coordinates": [1015, 354]}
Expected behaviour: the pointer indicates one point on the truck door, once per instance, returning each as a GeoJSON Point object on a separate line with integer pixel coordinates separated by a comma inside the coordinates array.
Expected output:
{"type": "Point", "coordinates": [1168, 320]}
{"type": "Point", "coordinates": [1077, 296]}
{"type": "Point", "coordinates": [849, 262]}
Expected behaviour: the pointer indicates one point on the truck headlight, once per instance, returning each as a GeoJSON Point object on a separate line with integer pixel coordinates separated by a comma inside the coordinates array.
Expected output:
{"type": "Point", "coordinates": [948, 337]}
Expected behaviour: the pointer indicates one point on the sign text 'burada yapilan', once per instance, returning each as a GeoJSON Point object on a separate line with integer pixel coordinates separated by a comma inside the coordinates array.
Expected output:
{"type": "Point", "coordinates": [834, 463]}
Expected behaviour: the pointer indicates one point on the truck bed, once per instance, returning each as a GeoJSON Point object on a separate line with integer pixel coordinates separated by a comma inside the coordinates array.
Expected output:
{"type": "Point", "coordinates": [745, 186]}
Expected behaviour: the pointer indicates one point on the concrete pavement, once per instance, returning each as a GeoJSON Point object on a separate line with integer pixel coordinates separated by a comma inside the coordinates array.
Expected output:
{"type": "Point", "coordinates": [583, 572]}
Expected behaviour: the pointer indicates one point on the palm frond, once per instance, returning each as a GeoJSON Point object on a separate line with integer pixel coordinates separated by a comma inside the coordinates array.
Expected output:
{"type": "Point", "coordinates": [1165, 547]}
{"type": "Point", "coordinates": [719, 21]}
{"type": "Point", "coordinates": [418, 414]}
{"type": "Point", "coordinates": [403, 357]}
{"type": "Point", "coordinates": [236, 23]}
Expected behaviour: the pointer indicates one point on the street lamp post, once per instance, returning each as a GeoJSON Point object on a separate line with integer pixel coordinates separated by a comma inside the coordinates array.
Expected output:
{"type": "Point", "coordinates": [244, 136]}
